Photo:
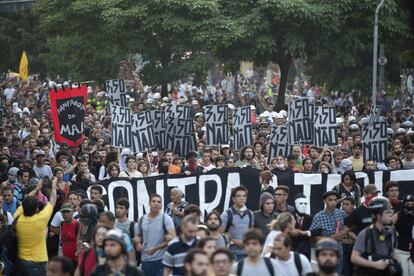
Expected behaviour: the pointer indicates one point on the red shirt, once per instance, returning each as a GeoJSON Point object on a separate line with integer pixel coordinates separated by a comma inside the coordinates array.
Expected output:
{"type": "Point", "coordinates": [68, 233]}
{"type": "Point", "coordinates": [87, 261]}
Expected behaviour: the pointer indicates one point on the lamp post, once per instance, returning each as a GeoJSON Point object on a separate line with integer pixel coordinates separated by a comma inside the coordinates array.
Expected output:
{"type": "Point", "coordinates": [375, 54]}
{"type": "Point", "coordinates": [382, 61]}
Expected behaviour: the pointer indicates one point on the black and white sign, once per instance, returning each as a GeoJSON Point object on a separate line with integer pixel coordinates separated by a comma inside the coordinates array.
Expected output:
{"type": "Point", "coordinates": [159, 125]}
{"type": "Point", "coordinates": [279, 142]}
{"type": "Point", "coordinates": [217, 126]}
{"type": "Point", "coordinates": [212, 191]}
{"type": "Point", "coordinates": [177, 111]}
{"type": "Point", "coordinates": [142, 132]}
{"type": "Point", "coordinates": [242, 127]}
{"type": "Point", "coordinates": [325, 127]}
{"type": "Point", "coordinates": [300, 122]}
{"type": "Point", "coordinates": [116, 91]}
{"type": "Point", "coordinates": [121, 121]}
{"type": "Point", "coordinates": [180, 136]}
{"type": "Point", "coordinates": [374, 141]}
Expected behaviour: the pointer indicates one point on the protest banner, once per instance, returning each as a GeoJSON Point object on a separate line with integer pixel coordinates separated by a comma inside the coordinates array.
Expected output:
{"type": "Point", "coordinates": [121, 122]}
{"type": "Point", "coordinates": [217, 127]}
{"type": "Point", "coordinates": [142, 132]}
{"type": "Point", "coordinates": [325, 127]}
{"type": "Point", "coordinates": [279, 142]}
{"type": "Point", "coordinates": [159, 125]}
{"type": "Point", "coordinates": [212, 191]}
{"type": "Point", "coordinates": [68, 110]}
{"type": "Point", "coordinates": [374, 141]}
{"type": "Point", "coordinates": [116, 91]}
{"type": "Point", "coordinates": [300, 122]}
{"type": "Point", "coordinates": [242, 127]}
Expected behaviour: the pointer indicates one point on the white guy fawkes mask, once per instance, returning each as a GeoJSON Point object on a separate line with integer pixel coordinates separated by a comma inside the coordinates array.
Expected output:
{"type": "Point", "coordinates": [301, 205]}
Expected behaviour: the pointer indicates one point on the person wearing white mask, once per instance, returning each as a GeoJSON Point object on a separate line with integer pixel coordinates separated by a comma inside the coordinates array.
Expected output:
{"type": "Point", "coordinates": [301, 236]}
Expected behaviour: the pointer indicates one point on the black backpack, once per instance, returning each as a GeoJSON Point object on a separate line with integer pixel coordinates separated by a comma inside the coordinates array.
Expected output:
{"type": "Point", "coordinates": [230, 219]}
{"type": "Point", "coordinates": [267, 261]}
{"type": "Point", "coordinates": [296, 257]}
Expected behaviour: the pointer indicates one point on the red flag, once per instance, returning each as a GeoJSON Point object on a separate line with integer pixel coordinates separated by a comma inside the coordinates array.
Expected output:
{"type": "Point", "coordinates": [68, 110]}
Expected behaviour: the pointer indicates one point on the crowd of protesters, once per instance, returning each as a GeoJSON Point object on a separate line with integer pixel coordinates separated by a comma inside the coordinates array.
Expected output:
{"type": "Point", "coordinates": [53, 220]}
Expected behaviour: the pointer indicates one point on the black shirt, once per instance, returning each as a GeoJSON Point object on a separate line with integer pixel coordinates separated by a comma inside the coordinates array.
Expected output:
{"type": "Point", "coordinates": [359, 218]}
{"type": "Point", "coordinates": [404, 226]}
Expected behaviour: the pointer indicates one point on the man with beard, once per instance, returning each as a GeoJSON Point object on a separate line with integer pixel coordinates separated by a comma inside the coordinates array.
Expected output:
{"type": "Point", "coordinates": [374, 247]}
{"type": "Point", "coordinates": [327, 256]}
{"type": "Point", "coordinates": [396, 151]}
{"type": "Point", "coordinates": [301, 236]}
{"type": "Point", "coordinates": [246, 158]}
{"type": "Point", "coordinates": [213, 222]}
{"type": "Point", "coordinates": [196, 263]}
{"type": "Point", "coordinates": [356, 158]}
{"type": "Point", "coordinates": [404, 226]}
{"type": "Point", "coordinates": [115, 252]}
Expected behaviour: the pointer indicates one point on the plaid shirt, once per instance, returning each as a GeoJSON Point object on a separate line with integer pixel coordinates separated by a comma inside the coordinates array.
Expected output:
{"type": "Point", "coordinates": [329, 223]}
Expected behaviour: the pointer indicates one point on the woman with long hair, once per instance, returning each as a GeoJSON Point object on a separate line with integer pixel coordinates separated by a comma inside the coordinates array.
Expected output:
{"type": "Point", "coordinates": [284, 223]}
{"type": "Point", "coordinates": [112, 156]}
{"type": "Point", "coordinates": [143, 168]}
{"type": "Point", "coordinates": [92, 253]}
{"type": "Point", "coordinates": [113, 170]}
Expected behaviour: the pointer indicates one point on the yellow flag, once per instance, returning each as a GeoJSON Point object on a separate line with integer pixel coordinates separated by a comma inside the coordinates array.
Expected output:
{"type": "Point", "coordinates": [24, 67]}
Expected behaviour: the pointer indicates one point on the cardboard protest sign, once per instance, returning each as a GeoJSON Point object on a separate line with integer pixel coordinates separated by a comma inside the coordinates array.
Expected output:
{"type": "Point", "coordinates": [374, 141]}
{"type": "Point", "coordinates": [325, 128]}
{"type": "Point", "coordinates": [121, 121]}
{"type": "Point", "coordinates": [242, 127]}
{"type": "Point", "coordinates": [217, 127]}
{"type": "Point", "coordinates": [279, 142]}
{"type": "Point", "coordinates": [159, 125]}
{"type": "Point", "coordinates": [300, 122]}
{"type": "Point", "coordinates": [180, 136]}
{"type": "Point", "coordinates": [142, 132]}
{"type": "Point", "coordinates": [68, 109]}
{"type": "Point", "coordinates": [116, 91]}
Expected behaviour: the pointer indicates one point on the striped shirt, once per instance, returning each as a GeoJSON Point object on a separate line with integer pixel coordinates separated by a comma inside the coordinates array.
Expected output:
{"type": "Point", "coordinates": [175, 255]}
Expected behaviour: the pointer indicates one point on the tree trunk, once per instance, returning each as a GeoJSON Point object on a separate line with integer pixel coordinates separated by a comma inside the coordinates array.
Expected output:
{"type": "Point", "coordinates": [236, 88]}
{"type": "Point", "coordinates": [165, 58]}
{"type": "Point", "coordinates": [284, 70]}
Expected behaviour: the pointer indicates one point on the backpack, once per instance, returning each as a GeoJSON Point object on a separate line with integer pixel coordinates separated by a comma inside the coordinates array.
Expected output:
{"type": "Point", "coordinates": [230, 219]}
{"type": "Point", "coordinates": [267, 262]}
{"type": "Point", "coordinates": [10, 242]}
{"type": "Point", "coordinates": [132, 230]}
{"type": "Point", "coordinates": [140, 221]}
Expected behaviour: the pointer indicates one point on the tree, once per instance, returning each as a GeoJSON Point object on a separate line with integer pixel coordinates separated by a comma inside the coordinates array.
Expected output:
{"type": "Point", "coordinates": [345, 59]}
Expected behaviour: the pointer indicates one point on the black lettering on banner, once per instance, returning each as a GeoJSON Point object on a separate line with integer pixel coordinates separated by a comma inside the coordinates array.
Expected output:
{"type": "Point", "coordinates": [325, 129]}
{"type": "Point", "coordinates": [279, 142]}
{"type": "Point", "coordinates": [300, 121]}
{"type": "Point", "coordinates": [177, 111]}
{"type": "Point", "coordinates": [121, 126]}
{"type": "Point", "coordinates": [142, 132]}
{"type": "Point", "coordinates": [116, 91]}
{"type": "Point", "coordinates": [159, 126]}
{"type": "Point", "coordinates": [217, 127]}
{"type": "Point", "coordinates": [212, 191]}
{"type": "Point", "coordinates": [375, 142]}
{"type": "Point", "coordinates": [242, 127]}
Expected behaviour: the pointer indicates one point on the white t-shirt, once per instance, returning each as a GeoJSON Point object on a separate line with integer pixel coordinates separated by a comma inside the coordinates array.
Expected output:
{"type": "Point", "coordinates": [288, 268]}
{"type": "Point", "coordinates": [58, 219]}
{"type": "Point", "coordinates": [135, 174]}
{"type": "Point", "coordinates": [270, 239]}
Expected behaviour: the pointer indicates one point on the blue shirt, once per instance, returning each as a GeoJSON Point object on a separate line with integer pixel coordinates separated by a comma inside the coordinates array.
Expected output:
{"type": "Point", "coordinates": [328, 222]}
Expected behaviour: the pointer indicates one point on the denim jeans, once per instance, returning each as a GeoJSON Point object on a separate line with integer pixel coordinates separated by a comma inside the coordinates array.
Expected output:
{"type": "Point", "coordinates": [155, 268]}
{"type": "Point", "coordinates": [28, 268]}
{"type": "Point", "coordinates": [347, 264]}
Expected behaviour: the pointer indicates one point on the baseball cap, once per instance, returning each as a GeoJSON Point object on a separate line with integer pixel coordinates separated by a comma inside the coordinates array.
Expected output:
{"type": "Point", "coordinates": [66, 207]}
{"type": "Point", "coordinates": [40, 152]}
